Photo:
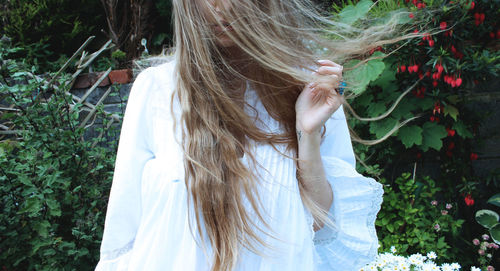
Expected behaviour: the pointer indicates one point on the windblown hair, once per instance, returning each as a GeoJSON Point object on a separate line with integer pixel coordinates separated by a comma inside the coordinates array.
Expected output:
{"type": "Point", "coordinates": [279, 43]}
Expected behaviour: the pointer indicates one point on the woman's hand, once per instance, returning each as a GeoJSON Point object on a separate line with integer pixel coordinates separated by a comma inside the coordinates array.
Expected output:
{"type": "Point", "coordinates": [319, 99]}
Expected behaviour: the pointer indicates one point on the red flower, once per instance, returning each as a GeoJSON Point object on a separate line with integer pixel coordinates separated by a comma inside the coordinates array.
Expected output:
{"type": "Point", "coordinates": [403, 68]}
{"type": "Point", "coordinates": [458, 82]}
{"type": "Point", "coordinates": [411, 15]}
{"type": "Point", "coordinates": [451, 146]}
{"type": "Point", "coordinates": [442, 25]}
{"type": "Point", "coordinates": [451, 133]}
{"type": "Point", "coordinates": [472, 5]}
{"type": "Point", "coordinates": [431, 42]}
{"type": "Point", "coordinates": [473, 156]}
{"type": "Point", "coordinates": [492, 35]}
{"type": "Point", "coordinates": [439, 68]}
{"type": "Point", "coordinates": [469, 201]}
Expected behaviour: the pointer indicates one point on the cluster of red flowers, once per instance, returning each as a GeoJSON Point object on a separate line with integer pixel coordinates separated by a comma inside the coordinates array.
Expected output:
{"type": "Point", "coordinates": [469, 201]}
{"type": "Point", "coordinates": [411, 68]}
{"type": "Point", "coordinates": [420, 92]}
{"type": "Point", "coordinates": [492, 34]}
{"type": "Point", "coordinates": [456, 53]}
{"type": "Point", "coordinates": [438, 109]}
{"type": "Point", "coordinates": [417, 3]}
{"type": "Point", "coordinates": [478, 18]}
{"type": "Point", "coordinates": [443, 25]}
{"type": "Point", "coordinates": [429, 39]}
{"type": "Point", "coordinates": [452, 80]}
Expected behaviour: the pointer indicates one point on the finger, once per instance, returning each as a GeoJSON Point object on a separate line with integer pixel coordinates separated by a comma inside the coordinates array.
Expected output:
{"type": "Point", "coordinates": [326, 87]}
{"type": "Point", "coordinates": [325, 62]}
{"type": "Point", "coordinates": [332, 79]}
{"type": "Point", "coordinates": [328, 70]}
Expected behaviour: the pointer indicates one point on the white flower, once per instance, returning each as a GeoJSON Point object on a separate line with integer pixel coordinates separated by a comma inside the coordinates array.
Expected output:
{"type": "Point", "coordinates": [416, 259]}
{"type": "Point", "coordinates": [431, 255]}
{"type": "Point", "coordinates": [455, 266]}
{"type": "Point", "coordinates": [473, 268]}
{"type": "Point", "coordinates": [403, 266]}
{"type": "Point", "coordinates": [446, 267]}
{"type": "Point", "coordinates": [393, 249]}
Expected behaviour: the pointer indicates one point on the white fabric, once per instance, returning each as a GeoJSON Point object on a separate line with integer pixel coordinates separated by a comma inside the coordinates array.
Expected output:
{"type": "Point", "coordinates": [147, 225]}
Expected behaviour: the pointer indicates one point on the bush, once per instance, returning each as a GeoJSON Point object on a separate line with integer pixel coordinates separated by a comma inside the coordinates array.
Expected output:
{"type": "Point", "coordinates": [414, 221]}
{"type": "Point", "coordinates": [45, 29]}
{"type": "Point", "coordinates": [454, 54]}
{"type": "Point", "coordinates": [55, 184]}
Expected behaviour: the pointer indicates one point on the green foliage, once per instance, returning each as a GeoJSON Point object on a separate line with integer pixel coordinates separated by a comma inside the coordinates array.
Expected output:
{"type": "Point", "coordinates": [490, 219]}
{"type": "Point", "coordinates": [453, 55]}
{"type": "Point", "coordinates": [412, 220]}
{"type": "Point", "coordinates": [361, 74]}
{"type": "Point", "coordinates": [351, 13]}
{"type": "Point", "coordinates": [54, 184]}
{"type": "Point", "coordinates": [44, 27]}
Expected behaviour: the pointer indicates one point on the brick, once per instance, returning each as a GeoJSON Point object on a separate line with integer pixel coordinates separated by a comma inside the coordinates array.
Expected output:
{"type": "Point", "coordinates": [120, 76]}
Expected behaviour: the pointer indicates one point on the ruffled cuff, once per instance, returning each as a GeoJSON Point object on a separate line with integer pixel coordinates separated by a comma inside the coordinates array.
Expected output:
{"type": "Point", "coordinates": [116, 260]}
{"type": "Point", "coordinates": [353, 241]}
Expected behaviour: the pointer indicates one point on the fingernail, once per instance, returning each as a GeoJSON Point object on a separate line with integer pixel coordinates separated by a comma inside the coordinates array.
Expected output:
{"type": "Point", "coordinates": [321, 61]}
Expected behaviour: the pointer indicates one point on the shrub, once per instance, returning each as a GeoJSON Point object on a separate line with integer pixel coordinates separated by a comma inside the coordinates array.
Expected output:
{"type": "Point", "coordinates": [45, 29]}
{"type": "Point", "coordinates": [54, 183]}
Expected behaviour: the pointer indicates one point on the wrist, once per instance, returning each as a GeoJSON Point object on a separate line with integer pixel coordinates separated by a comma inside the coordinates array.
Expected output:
{"type": "Point", "coordinates": [305, 136]}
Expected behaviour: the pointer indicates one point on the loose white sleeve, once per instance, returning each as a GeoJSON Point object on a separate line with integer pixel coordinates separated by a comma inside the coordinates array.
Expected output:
{"type": "Point", "coordinates": [357, 199]}
{"type": "Point", "coordinates": [124, 207]}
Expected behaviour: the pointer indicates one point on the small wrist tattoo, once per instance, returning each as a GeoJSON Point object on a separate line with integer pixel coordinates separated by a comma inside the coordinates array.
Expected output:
{"type": "Point", "coordinates": [299, 134]}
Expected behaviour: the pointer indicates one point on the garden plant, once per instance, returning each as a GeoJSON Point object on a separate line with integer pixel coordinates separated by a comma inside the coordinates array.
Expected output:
{"type": "Point", "coordinates": [418, 96]}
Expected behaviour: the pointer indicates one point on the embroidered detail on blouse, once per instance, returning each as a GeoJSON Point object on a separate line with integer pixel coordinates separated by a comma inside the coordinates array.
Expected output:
{"type": "Point", "coordinates": [325, 241]}
{"type": "Point", "coordinates": [114, 254]}
{"type": "Point", "coordinates": [372, 215]}
{"type": "Point", "coordinates": [376, 201]}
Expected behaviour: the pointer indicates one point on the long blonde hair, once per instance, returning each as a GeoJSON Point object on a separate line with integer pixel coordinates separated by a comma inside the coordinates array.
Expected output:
{"type": "Point", "coordinates": [279, 41]}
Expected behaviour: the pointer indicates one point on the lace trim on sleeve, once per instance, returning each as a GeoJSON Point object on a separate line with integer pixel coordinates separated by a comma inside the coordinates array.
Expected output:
{"type": "Point", "coordinates": [114, 254]}
{"type": "Point", "coordinates": [376, 201]}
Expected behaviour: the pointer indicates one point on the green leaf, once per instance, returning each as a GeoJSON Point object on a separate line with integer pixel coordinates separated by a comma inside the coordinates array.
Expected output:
{"type": "Point", "coordinates": [390, 228]}
{"type": "Point", "coordinates": [376, 109]}
{"type": "Point", "coordinates": [432, 135]}
{"type": "Point", "coordinates": [351, 13]}
{"type": "Point", "coordinates": [426, 103]}
{"type": "Point", "coordinates": [487, 218]}
{"type": "Point", "coordinates": [462, 129]}
{"type": "Point", "coordinates": [495, 233]}
{"type": "Point", "coordinates": [362, 75]}
{"type": "Point", "coordinates": [410, 135]}
{"type": "Point", "coordinates": [32, 205]}
{"type": "Point", "coordinates": [451, 110]}
{"type": "Point", "coordinates": [495, 200]}
{"type": "Point", "coordinates": [386, 79]}
{"type": "Point", "coordinates": [43, 228]}
{"type": "Point", "coordinates": [382, 127]}
{"type": "Point", "coordinates": [54, 207]}
{"type": "Point", "coordinates": [404, 109]}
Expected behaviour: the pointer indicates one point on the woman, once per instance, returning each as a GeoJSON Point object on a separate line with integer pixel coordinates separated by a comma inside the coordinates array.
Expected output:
{"type": "Point", "coordinates": [236, 155]}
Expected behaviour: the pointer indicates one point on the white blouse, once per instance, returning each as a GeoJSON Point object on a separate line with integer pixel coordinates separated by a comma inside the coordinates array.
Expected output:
{"type": "Point", "coordinates": [147, 226]}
